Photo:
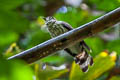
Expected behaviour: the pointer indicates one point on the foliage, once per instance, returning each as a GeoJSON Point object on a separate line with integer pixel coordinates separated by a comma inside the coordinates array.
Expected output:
{"type": "Point", "coordinates": [99, 67]}
{"type": "Point", "coordinates": [115, 78]}
{"type": "Point", "coordinates": [110, 4]}
{"type": "Point", "coordinates": [15, 70]}
{"type": "Point", "coordinates": [19, 30]}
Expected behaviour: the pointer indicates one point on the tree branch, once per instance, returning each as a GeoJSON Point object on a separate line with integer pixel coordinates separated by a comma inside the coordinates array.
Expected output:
{"type": "Point", "coordinates": [65, 40]}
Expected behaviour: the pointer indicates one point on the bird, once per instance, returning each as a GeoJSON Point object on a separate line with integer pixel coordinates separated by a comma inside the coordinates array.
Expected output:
{"type": "Point", "coordinates": [79, 51]}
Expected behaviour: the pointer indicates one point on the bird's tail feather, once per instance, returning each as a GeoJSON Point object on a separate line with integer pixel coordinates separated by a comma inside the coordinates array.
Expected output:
{"type": "Point", "coordinates": [84, 60]}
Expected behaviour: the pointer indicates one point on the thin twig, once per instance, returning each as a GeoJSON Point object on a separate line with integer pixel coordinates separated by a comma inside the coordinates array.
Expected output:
{"type": "Point", "coordinates": [65, 40]}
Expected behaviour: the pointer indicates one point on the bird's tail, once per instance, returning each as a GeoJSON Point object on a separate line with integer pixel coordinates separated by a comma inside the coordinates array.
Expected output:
{"type": "Point", "coordinates": [84, 59]}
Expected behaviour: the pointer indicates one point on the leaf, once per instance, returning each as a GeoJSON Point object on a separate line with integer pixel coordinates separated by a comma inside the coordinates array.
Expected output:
{"type": "Point", "coordinates": [14, 70]}
{"type": "Point", "coordinates": [40, 21]}
{"type": "Point", "coordinates": [19, 69]}
{"type": "Point", "coordinates": [53, 59]}
{"type": "Point", "coordinates": [114, 46]}
{"type": "Point", "coordinates": [51, 74]}
{"type": "Point", "coordinates": [115, 78]}
{"type": "Point", "coordinates": [110, 4]}
{"type": "Point", "coordinates": [75, 17]}
{"type": "Point", "coordinates": [70, 17]}
{"type": "Point", "coordinates": [8, 5]}
{"type": "Point", "coordinates": [96, 44]}
{"type": "Point", "coordinates": [48, 73]}
{"type": "Point", "coordinates": [11, 21]}
{"type": "Point", "coordinates": [35, 38]}
{"type": "Point", "coordinates": [7, 38]}
{"type": "Point", "coordinates": [101, 65]}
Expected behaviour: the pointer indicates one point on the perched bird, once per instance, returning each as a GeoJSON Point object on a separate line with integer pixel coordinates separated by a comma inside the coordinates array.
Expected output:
{"type": "Point", "coordinates": [79, 51]}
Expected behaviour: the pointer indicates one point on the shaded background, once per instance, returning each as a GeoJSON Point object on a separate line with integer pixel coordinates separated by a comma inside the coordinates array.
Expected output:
{"type": "Point", "coordinates": [20, 30]}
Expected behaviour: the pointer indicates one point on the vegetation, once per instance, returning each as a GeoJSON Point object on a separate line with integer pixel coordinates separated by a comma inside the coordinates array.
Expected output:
{"type": "Point", "coordinates": [20, 30]}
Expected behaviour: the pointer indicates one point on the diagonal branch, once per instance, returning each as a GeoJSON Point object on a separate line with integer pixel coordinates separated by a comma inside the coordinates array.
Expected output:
{"type": "Point", "coordinates": [65, 40]}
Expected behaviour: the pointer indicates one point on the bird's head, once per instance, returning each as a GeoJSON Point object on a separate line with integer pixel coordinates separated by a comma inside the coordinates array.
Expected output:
{"type": "Point", "coordinates": [46, 22]}
{"type": "Point", "coordinates": [49, 20]}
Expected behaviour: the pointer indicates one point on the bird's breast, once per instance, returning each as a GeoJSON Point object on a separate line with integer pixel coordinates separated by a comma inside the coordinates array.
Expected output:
{"type": "Point", "coordinates": [56, 30]}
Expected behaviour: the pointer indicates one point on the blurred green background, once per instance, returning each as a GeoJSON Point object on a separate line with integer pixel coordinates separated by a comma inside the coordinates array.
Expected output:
{"type": "Point", "coordinates": [19, 30]}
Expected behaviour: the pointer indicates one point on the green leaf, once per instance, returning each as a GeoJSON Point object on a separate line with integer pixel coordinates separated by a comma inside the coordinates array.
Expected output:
{"type": "Point", "coordinates": [75, 17]}
{"type": "Point", "coordinates": [8, 4]}
{"type": "Point", "coordinates": [115, 78]}
{"type": "Point", "coordinates": [7, 38]}
{"type": "Point", "coordinates": [53, 59]}
{"type": "Point", "coordinates": [35, 38]}
{"type": "Point", "coordinates": [114, 46]}
{"type": "Point", "coordinates": [15, 70]}
{"type": "Point", "coordinates": [101, 65]}
{"type": "Point", "coordinates": [11, 21]}
{"type": "Point", "coordinates": [96, 44]}
{"type": "Point", "coordinates": [102, 4]}
{"type": "Point", "coordinates": [51, 74]}
{"type": "Point", "coordinates": [19, 69]}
